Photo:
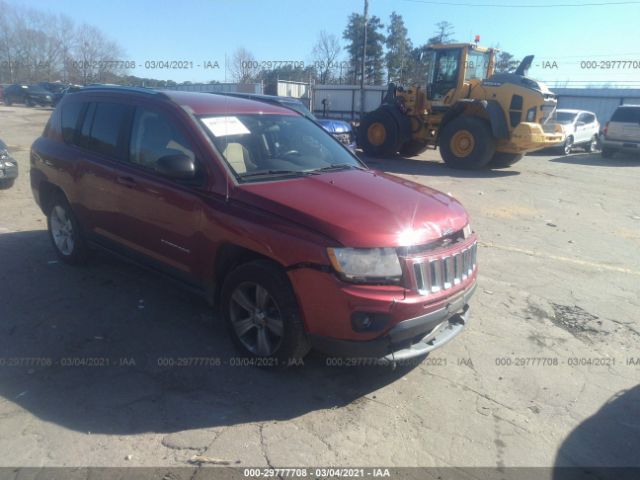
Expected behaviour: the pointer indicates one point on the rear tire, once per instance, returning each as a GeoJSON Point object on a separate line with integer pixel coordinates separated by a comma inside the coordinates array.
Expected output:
{"type": "Point", "coordinates": [607, 152]}
{"type": "Point", "coordinates": [467, 143]}
{"type": "Point", "coordinates": [379, 134]}
{"type": "Point", "coordinates": [592, 146]}
{"type": "Point", "coordinates": [504, 160]}
{"type": "Point", "coordinates": [412, 148]}
{"type": "Point", "coordinates": [7, 101]}
{"type": "Point", "coordinates": [65, 232]}
{"type": "Point", "coordinates": [262, 313]}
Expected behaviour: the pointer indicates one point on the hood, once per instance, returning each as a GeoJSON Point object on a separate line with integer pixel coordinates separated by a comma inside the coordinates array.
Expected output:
{"type": "Point", "coordinates": [334, 126]}
{"type": "Point", "coordinates": [360, 208]}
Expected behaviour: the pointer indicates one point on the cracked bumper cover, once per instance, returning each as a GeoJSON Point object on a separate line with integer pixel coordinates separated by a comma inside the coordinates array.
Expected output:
{"type": "Point", "coordinates": [408, 339]}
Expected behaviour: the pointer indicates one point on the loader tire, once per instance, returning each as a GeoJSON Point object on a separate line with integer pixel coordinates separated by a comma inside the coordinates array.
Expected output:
{"type": "Point", "coordinates": [504, 160]}
{"type": "Point", "coordinates": [466, 143]}
{"type": "Point", "coordinates": [379, 134]}
{"type": "Point", "coordinates": [412, 148]}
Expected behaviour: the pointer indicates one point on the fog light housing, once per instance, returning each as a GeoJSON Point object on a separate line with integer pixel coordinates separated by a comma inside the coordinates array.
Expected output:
{"type": "Point", "coordinates": [369, 321]}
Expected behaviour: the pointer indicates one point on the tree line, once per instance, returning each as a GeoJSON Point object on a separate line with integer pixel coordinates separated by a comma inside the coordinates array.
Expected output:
{"type": "Point", "coordinates": [37, 46]}
{"type": "Point", "coordinates": [390, 56]}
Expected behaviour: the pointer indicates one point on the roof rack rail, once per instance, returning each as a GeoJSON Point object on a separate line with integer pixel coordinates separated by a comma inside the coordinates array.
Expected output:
{"type": "Point", "coordinates": [126, 88]}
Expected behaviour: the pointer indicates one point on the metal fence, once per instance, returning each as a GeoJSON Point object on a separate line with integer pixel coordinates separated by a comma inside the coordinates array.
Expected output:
{"type": "Point", "coordinates": [343, 101]}
{"type": "Point", "coordinates": [601, 101]}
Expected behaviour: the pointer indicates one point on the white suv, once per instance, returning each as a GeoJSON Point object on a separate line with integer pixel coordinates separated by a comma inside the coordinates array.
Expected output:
{"type": "Point", "coordinates": [581, 128]}
{"type": "Point", "coordinates": [622, 132]}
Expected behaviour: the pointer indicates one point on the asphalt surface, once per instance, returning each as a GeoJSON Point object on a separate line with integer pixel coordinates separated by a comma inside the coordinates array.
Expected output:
{"type": "Point", "coordinates": [546, 374]}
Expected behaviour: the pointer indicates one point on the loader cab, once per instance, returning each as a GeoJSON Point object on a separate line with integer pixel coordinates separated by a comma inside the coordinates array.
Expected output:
{"type": "Point", "coordinates": [450, 66]}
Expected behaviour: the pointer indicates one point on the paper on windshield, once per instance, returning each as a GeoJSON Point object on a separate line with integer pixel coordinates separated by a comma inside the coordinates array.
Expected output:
{"type": "Point", "coordinates": [225, 126]}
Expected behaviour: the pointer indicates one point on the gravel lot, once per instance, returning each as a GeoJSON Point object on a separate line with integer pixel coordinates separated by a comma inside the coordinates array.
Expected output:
{"type": "Point", "coordinates": [547, 373]}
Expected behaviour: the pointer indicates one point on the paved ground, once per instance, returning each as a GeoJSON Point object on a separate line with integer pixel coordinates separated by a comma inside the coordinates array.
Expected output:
{"type": "Point", "coordinates": [559, 285]}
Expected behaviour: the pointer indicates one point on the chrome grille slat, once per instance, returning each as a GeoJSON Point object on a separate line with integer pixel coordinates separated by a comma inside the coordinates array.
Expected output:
{"type": "Point", "coordinates": [433, 275]}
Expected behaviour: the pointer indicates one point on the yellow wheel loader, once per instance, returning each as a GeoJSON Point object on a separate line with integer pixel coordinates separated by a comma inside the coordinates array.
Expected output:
{"type": "Point", "coordinates": [476, 118]}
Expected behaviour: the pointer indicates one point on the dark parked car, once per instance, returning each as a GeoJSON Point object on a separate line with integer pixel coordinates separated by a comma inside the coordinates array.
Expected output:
{"type": "Point", "coordinates": [69, 89]}
{"type": "Point", "coordinates": [8, 167]}
{"type": "Point", "coordinates": [341, 130]}
{"type": "Point", "coordinates": [30, 95]}
{"type": "Point", "coordinates": [296, 242]}
{"type": "Point", "coordinates": [53, 87]}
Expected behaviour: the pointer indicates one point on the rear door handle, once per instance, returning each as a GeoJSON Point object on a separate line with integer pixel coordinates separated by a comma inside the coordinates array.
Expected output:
{"type": "Point", "coordinates": [126, 181]}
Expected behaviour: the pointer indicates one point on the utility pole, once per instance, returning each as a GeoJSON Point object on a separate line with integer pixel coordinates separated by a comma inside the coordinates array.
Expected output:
{"type": "Point", "coordinates": [364, 59]}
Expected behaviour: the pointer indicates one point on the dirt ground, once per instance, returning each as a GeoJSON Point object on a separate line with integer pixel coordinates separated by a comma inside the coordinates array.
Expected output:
{"type": "Point", "coordinates": [547, 374]}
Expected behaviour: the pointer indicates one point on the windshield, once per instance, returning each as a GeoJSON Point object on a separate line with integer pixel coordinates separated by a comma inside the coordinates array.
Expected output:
{"type": "Point", "coordinates": [299, 107]}
{"type": "Point", "coordinates": [257, 146]}
{"type": "Point", "coordinates": [565, 117]}
{"type": "Point", "coordinates": [477, 65]}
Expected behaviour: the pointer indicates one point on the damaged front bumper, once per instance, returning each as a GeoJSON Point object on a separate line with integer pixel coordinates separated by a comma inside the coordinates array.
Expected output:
{"type": "Point", "coordinates": [409, 339]}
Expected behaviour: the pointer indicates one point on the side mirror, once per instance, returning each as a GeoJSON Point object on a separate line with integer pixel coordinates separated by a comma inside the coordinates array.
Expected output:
{"type": "Point", "coordinates": [179, 167]}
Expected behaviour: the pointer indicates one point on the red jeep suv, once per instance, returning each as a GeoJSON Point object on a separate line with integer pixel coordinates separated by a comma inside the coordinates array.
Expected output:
{"type": "Point", "coordinates": [280, 226]}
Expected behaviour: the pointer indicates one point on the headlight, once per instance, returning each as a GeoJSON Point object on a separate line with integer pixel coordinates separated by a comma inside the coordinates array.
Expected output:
{"type": "Point", "coordinates": [366, 264]}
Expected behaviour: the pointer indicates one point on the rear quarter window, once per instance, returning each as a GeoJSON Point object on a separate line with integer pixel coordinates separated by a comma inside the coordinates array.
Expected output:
{"type": "Point", "coordinates": [630, 115]}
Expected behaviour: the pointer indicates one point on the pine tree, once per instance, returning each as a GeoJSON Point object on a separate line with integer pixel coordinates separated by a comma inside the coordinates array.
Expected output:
{"type": "Point", "coordinates": [374, 68]}
{"type": "Point", "coordinates": [398, 56]}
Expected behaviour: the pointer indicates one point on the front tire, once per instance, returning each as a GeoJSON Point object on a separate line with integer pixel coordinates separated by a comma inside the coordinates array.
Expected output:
{"type": "Point", "coordinates": [65, 233]}
{"type": "Point", "coordinates": [504, 160]}
{"type": "Point", "coordinates": [7, 183]}
{"type": "Point", "coordinates": [379, 134]}
{"type": "Point", "coordinates": [262, 313]}
{"type": "Point", "coordinates": [467, 143]}
{"type": "Point", "coordinates": [567, 146]}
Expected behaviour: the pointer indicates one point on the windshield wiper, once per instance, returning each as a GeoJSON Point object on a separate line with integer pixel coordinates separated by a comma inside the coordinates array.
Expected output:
{"type": "Point", "coordinates": [337, 166]}
{"type": "Point", "coordinates": [274, 172]}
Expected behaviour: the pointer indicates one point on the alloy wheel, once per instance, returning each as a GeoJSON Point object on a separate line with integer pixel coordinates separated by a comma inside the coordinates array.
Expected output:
{"type": "Point", "coordinates": [62, 230]}
{"type": "Point", "coordinates": [256, 319]}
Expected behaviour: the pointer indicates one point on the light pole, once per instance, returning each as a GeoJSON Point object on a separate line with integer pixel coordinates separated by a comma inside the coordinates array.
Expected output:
{"type": "Point", "coordinates": [364, 59]}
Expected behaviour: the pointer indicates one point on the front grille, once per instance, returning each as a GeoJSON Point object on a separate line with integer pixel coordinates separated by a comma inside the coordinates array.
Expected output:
{"type": "Point", "coordinates": [344, 138]}
{"type": "Point", "coordinates": [434, 275]}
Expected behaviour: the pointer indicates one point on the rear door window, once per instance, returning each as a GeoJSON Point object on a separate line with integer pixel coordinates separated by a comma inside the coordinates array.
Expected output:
{"type": "Point", "coordinates": [108, 129]}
